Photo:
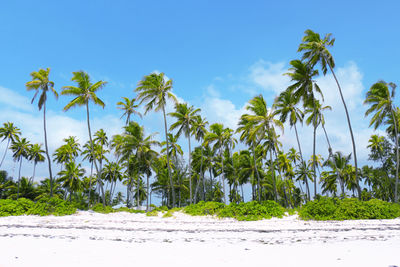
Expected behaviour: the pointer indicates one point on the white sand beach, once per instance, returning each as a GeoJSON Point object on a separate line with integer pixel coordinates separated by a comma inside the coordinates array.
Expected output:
{"type": "Point", "coordinates": [92, 239]}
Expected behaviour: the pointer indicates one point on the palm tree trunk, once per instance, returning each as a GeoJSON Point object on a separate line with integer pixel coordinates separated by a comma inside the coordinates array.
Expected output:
{"type": "Point", "coordinates": [34, 171]}
{"type": "Point", "coordinates": [90, 182]}
{"type": "Point", "coordinates": [397, 156]}
{"type": "Point", "coordinates": [137, 192]}
{"type": "Point", "coordinates": [47, 149]}
{"type": "Point", "coordinates": [222, 172]}
{"type": "Point", "coordinates": [202, 175]}
{"type": "Point", "coordinates": [302, 161]}
{"type": "Point", "coordinates": [148, 193]}
{"type": "Point", "coordinates": [327, 140]}
{"type": "Point", "coordinates": [273, 177]}
{"type": "Point", "coordinates": [351, 131]}
{"type": "Point", "coordinates": [5, 152]}
{"type": "Point", "coordinates": [93, 156]}
{"type": "Point", "coordinates": [169, 167]}
{"type": "Point", "coordinates": [190, 172]}
{"type": "Point", "coordinates": [258, 175]}
{"type": "Point", "coordinates": [313, 162]}
{"type": "Point", "coordinates": [19, 175]}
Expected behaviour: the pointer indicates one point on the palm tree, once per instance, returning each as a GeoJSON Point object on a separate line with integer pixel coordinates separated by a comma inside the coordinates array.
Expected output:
{"type": "Point", "coordinates": [20, 148]}
{"type": "Point", "coordinates": [185, 120]}
{"type": "Point", "coordinates": [35, 154]}
{"type": "Point", "coordinates": [85, 92]}
{"type": "Point", "coordinates": [71, 177]}
{"type": "Point", "coordinates": [129, 107]}
{"type": "Point", "coordinates": [217, 136]}
{"type": "Point", "coordinates": [315, 118]}
{"type": "Point", "coordinates": [9, 132]}
{"type": "Point", "coordinates": [261, 123]}
{"type": "Point", "coordinates": [251, 140]}
{"type": "Point", "coordinates": [316, 51]}
{"type": "Point", "coordinates": [339, 168]}
{"type": "Point", "coordinates": [40, 81]}
{"type": "Point", "coordinates": [286, 106]}
{"type": "Point", "coordinates": [154, 90]}
{"type": "Point", "coordinates": [381, 100]}
{"type": "Point", "coordinates": [200, 131]}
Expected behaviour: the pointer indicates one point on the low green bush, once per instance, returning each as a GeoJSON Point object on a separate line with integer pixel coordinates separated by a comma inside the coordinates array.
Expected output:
{"type": "Point", "coordinates": [252, 211]}
{"type": "Point", "coordinates": [152, 213]}
{"type": "Point", "coordinates": [126, 209]}
{"type": "Point", "coordinates": [348, 209]}
{"type": "Point", "coordinates": [204, 208]}
{"type": "Point", "coordinates": [43, 207]}
{"type": "Point", "coordinates": [53, 206]}
{"type": "Point", "coordinates": [10, 207]}
{"type": "Point", "coordinates": [249, 211]}
{"type": "Point", "coordinates": [321, 210]}
{"type": "Point", "coordinates": [102, 209]}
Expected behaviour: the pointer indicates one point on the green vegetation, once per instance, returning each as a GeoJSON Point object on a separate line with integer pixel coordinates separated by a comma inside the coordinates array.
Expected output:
{"type": "Point", "coordinates": [250, 211]}
{"type": "Point", "coordinates": [348, 209]}
{"type": "Point", "coordinates": [43, 207]}
{"type": "Point", "coordinates": [215, 171]}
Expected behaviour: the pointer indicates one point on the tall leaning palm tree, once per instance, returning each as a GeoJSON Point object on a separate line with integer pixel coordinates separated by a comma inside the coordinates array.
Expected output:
{"type": "Point", "coordinates": [380, 98]}
{"type": "Point", "coordinates": [40, 82]}
{"type": "Point", "coordinates": [153, 91]}
{"type": "Point", "coordinates": [9, 132]}
{"type": "Point", "coordinates": [84, 92]}
{"type": "Point", "coordinates": [128, 106]}
{"type": "Point", "coordinates": [185, 120]}
{"type": "Point", "coordinates": [316, 51]}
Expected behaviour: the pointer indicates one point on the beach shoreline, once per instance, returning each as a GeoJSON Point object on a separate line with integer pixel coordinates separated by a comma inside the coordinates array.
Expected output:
{"type": "Point", "coordinates": [93, 239]}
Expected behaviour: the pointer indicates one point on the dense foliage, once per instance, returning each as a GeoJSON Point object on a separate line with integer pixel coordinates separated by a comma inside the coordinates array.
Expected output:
{"type": "Point", "coordinates": [43, 207]}
{"type": "Point", "coordinates": [249, 211]}
{"type": "Point", "coordinates": [348, 209]}
{"type": "Point", "coordinates": [214, 172]}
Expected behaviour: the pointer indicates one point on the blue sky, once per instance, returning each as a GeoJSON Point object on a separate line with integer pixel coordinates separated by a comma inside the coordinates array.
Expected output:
{"type": "Point", "coordinates": [219, 54]}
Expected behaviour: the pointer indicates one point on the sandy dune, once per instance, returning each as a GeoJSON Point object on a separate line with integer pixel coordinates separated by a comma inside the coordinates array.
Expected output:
{"type": "Point", "coordinates": [92, 239]}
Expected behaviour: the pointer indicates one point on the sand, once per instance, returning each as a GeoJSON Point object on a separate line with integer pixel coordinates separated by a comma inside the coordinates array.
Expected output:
{"type": "Point", "coordinates": [92, 239]}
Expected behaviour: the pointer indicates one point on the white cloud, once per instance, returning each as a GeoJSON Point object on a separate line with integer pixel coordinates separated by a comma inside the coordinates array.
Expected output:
{"type": "Point", "coordinates": [269, 76]}
{"type": "Point", "coordinates": [11, 99]}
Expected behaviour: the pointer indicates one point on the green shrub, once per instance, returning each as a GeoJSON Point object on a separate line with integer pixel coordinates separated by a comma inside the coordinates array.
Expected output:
{"type": "Point", "coordinates": [348, 209]}
{"type": "Point", "coordinates": [126, 209]}
{"type": "Point", "coordinates": [102, 209]}
{"type": "Point", "coordinates": [170, 212]}
{"type": "Point", "coordinates": [252, 211]}
{"type": "Point", "coordinates": [204, 208]}
{"type": "Point", "coordinates": [152, 213]}
{"type": "Point", "coordinates": [322, 209]}
{"type": "Point", "coordinates": [54, 206]}
{"type": "Point", "coordinates": [10, 207]}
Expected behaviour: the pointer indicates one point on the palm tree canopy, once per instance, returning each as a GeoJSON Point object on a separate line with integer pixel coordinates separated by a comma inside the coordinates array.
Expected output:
{"type": "Point", "coordinates": [315, 113]}
{"type": "Point", "coordinates": [286, 106]}
{"type": "Point", "coordinates": [262, 120]}
{"type": "Point", "coordinates": [35, 153]}
{"type": "Point", "coordinates": [154, 90]}
{"type": "Point", "coordinates": [316, 49]}
{"type": "Point", "coordinates": [379, 97]}
{"type": "Point", "coordinates": [185, 119]}
{"type": "Point", "coordinates": [20, 148]}
{"type": "Point", "coordinates": [9, 131]}
{"type": "Point", "coordinates": [40, 81]}
{"type": "Point", "coordinates": [129, 107]}
{"type": "Point", "coordinates": [84, 92]}
{"type": "Point", "coordinates": [303, 87]}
